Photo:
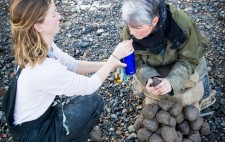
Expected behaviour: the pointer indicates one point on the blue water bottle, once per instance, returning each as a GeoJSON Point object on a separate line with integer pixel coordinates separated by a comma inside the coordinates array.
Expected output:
{"type": "Point", "coordinates": [130, 69]}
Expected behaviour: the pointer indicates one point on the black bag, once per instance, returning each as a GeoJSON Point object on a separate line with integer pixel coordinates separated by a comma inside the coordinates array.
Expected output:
{"type": "Point", "coordinates": [8, 102]}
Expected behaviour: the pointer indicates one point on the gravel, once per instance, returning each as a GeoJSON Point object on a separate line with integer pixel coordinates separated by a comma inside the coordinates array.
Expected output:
{"type": "Point", "coordinates": [90, 31]}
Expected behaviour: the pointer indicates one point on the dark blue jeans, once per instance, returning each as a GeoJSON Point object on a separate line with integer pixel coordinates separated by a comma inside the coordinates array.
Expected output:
{"type": "Point", "coordinates": [82, 114]}
{"type": "Point", "coordinates": [206, 84]}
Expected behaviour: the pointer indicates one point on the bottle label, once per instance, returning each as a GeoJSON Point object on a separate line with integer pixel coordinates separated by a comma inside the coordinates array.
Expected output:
{"type": "Point", "coordinates": [120, 75]}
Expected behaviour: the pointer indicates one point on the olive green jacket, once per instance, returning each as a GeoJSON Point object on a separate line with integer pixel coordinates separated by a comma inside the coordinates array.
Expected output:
{"type": "Point", "coordinates": [185, 58]}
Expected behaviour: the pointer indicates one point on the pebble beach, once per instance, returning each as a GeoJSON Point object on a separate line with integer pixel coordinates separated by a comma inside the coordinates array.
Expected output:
{"type": "Point", "coordinates": [90, 30]}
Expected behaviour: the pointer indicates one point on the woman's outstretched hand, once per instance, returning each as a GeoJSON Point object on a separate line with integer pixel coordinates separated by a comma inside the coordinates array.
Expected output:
{"type": "Point", "coordinates": [123, 49]}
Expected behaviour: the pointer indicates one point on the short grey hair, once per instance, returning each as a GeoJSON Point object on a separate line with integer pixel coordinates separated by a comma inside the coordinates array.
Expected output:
{"type": "Point", "coordinates": [136, 13]}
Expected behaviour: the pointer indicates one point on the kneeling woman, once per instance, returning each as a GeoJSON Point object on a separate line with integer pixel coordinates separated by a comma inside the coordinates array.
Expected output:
{"type": "Point", "coordinates": [167, 45]}
{"type": "Point", "coordinates": [46, 75]}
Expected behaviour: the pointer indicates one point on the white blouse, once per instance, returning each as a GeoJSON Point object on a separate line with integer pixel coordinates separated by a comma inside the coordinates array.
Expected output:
{"type": "Point", "coordinates": [38, 86]}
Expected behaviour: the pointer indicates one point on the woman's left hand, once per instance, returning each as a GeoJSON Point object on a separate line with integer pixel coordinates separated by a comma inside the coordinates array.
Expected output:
{"type": "Point", "coordinates": [163, 87]}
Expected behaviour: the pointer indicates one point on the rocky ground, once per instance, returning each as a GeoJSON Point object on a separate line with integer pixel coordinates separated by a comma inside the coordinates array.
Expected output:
{"type": "Point", "coordinates": [90, 31]}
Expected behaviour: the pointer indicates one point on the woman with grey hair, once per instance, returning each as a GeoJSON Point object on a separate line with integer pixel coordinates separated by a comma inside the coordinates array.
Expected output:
{"type": "Point", "coordinates": [169, 46]}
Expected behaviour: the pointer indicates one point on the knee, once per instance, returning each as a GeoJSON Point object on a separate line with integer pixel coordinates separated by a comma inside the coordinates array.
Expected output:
{"type": "Point", "coordinates": [98, 99]}
{"type": "Point", "coordinates": [97, 96]}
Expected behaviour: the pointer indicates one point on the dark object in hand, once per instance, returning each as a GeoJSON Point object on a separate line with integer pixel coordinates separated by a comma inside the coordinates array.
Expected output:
{"type": "Point", "coordinates": [156, 81]}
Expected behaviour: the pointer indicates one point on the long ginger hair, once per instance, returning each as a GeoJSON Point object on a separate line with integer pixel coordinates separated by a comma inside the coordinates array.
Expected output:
{"type": "Point", "coordinates": [28, 46]}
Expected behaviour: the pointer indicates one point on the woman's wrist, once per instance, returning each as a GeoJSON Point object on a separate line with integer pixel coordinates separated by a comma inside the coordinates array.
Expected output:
{"type": "Point", "coordinates": [115, 56]}
{"type": "Point", "coordinates": [113, 60]}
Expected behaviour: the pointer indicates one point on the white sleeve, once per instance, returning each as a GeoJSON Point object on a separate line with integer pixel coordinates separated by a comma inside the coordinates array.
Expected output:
{"type": "Point", "coordinates": [56, 79]}
{"type": "Point", "coordinates": [65, 59]}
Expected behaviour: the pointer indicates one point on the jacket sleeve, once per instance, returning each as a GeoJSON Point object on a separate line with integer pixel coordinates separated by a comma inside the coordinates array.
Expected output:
{"type": "Point", "coordinates": [143, 71]}
{"type": "Point", "coordinates": [188, 58]}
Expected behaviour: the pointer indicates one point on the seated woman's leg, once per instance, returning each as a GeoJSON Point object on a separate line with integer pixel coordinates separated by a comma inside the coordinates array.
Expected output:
{"type": "Point", "coordinates": [206, 84]}
{"type": "Point", "coordinates": [82, 114]}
